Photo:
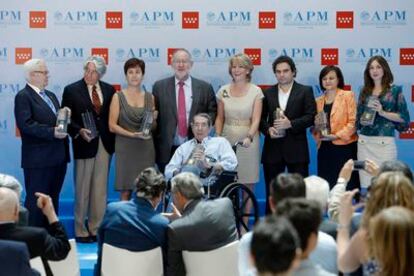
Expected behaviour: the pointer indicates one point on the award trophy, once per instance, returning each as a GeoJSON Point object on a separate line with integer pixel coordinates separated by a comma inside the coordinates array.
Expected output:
{"type": "Point", "coordinates": [147, 123]}
{"type": "Point", "coordinates": [63, 119]}
{"type": "Point", "coordinates": [368, 117]}
{"type": "Point", "coordinates": [278, 114]}
{"type": "Point", "coordinates": [191, 164]}
{"type": "Point", "coordinates": [89, 123]}
{"type": "Point", "coordinates": [322, 123]}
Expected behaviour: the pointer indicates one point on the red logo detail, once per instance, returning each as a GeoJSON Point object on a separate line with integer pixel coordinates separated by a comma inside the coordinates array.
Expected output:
{"type": "Point", "coordinates": [37, 19]}
{"type": "Point", "coordinates": [22, 55]}
{"type": "Point", "coordinates": [117, 87]}
{"type": "Point", "coordinates": [264, 86]}
{"type": "Point", "coordinates": [170, 53]}
{"type": "Point", "coordinates": [329, 56]}
{"type": "Point", "coordinates": [412, 93]}
{"type": "Point", "coordinates": [267, 20]}
{"type": "Point", "coordinates": [255, 54]}
{"type": "Point", "coordinates": [409, 134]}
{"type": "Point", "coordinates": [407, 56]}
{"type": "Point", "coordinates": [344, 19]}
{"type": "Point", "coordinates": [347, 87]}
{"type": "Point", "coordinates": [190, 20]}
{"type": "Point", "coordinates": [103, 52]}
{"type": "Point", "coordinates": [114, 20]}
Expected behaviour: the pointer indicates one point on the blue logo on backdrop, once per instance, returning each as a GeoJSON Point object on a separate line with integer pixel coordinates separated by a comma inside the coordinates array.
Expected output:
{"type": "Point", "coordinates": [10, 88]}
{"type": "Point", "coordinates": [3, 126]}
{"type": "Point", "coordinates": [65, 54]}
{"type": "Point", "coordinates": [76, 18]}
{"type": "Point", "coordinates": [10, 18]}
{"type": "Point", "coordinates": [152, 18]}
{"type": "Point", "coordinates": [384, 18]}
{"type": "Point", "coordinates": [229, 19]}
{"type": "Point", "coordinates": [148, 54]}
{"type": "Point", "coordinates": [363, 54]}
{"type": "Point", "coordinates": [301, 55]}
{"type": "Point", "coordinates": [212, 55]}
{"type": "Point", "coordinates": [305, 18]}
{"type": "Point", "coordinates": [3, 54]}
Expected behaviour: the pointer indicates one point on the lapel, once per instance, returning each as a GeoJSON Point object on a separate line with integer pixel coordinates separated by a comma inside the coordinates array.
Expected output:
{"type": "Point", "coordinates": [337, 102]}
{"type": "Point", "coordinates": [53, 99]}
{"type": "Point", "coordinates": [105, 95]}
{"type": "Point", "coordinates": [190, 207]}
{"type": "Point", "coordinates": [171, 87]}
{"type": "Point", "coordinates": [195, 90]}
{"type": "Point", "coordinates": [85, 95]}
{"type": "Point", "coordinates": [291, 100]}
{"type": "Point", "coordinates": [40, 102]}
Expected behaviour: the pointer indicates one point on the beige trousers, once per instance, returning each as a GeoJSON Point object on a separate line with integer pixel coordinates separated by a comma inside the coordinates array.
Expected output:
{"type": "Point", "coordinates": [91, 178]}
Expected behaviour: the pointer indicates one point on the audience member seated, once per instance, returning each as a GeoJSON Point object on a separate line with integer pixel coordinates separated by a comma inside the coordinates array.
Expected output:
{"type": "Point", "coordinates": [305, 216]}
{"type": "Point", "coordinates": [389, 189]}
{"type": "Point", "coordinates": [135, 225]}
{"type": "Point", "coordinates": [49, 245]}
{"type": "Point", "coordinates": [203, 153]}
{"type": "Point", "coordinates": [275, 248]}
{"type": "Point", "coordinates": [10, 182]}
{"type": "Point", "coordinates": [391, 241]}
{"type": "Point", "coordinates": [287, 185]}
{"type": "Point", "coordinates": [202, 225]}
{"type": "Point", "coordinates": [14, 259]}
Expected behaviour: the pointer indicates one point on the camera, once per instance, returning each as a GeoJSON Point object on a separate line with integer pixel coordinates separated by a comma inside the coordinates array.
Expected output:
{"type": "Point", "coordinates": [359, 164]}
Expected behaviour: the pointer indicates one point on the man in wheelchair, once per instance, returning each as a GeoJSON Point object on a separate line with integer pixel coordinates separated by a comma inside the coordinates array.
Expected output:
{"type": "Point", "coordinates": [205, 156]}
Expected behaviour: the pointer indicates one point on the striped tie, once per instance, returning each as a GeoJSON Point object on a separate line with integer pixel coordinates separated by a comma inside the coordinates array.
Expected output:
{"type": "Point", "coordinates": [47, 100]}
{"type": "Point", "coordinates": [95, 100]}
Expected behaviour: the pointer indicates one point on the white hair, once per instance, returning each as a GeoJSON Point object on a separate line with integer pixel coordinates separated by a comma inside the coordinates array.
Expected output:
{"type": "Point", "coordinates": [32, 65]}
{"type": "Point", "coordinates": [317, 189]}
{"type": "Point", "coordinates": [174, 56]}
{"type": "Point", "coordinates": [8, 203]}
{"type": "Point", "coordinates": [188, 184]}
{"type": "Point", "coordinates": [11, 182]}
{"type": "Point", "coordinates": [99, 64]}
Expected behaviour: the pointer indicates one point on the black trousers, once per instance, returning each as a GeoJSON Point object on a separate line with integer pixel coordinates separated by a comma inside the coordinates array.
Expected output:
{"type": "Point", "coordinates": [271, 170]}
{"type": "Point", "coordinates": [44, 180]}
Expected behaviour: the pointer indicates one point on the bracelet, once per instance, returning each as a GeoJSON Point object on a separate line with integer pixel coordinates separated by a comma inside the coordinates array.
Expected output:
{"type": "Point", "coordinates": [250, 137]}
{"type": "Point", "coordinates": [342, 226]}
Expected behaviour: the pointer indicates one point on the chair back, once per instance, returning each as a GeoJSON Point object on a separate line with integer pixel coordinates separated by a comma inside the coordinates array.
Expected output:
{"type": "Point", "coordinates": [68, 266]}
{"type": "Point", "coordinates": [218, 262]}
{"type": "Point", "coordinates": [37, 264]}
{"type": "Point", "coordinates": [121, 262]}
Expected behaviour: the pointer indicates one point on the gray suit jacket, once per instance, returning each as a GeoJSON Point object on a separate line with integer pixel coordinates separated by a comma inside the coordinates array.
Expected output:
{"type": "Point", "coordinates": [204, 100]}
{"type": "Point", "coordinates": [204, 225]}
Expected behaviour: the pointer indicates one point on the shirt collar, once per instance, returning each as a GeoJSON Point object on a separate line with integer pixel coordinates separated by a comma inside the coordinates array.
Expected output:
{"type": "Point", "coordinates": [205, 140]}
{"type": "Point", "coordinates": [187, 82]}
{"type": "Point", "coordinates": [35, 88]}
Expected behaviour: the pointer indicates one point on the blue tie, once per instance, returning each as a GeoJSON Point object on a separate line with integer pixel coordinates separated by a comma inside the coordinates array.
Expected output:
{"type": "Point", "coordinates": [47, 100]}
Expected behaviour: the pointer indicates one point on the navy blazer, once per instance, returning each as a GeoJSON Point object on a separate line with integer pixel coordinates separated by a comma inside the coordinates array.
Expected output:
{"type": "Point", "coordinates": [76, 97]}
{"type": "Point", "coordinates": [36, 122]}
{"type": "Point", "coordinates": [133, 225]}
{"type": "Point", "coordinates": [14, 259]}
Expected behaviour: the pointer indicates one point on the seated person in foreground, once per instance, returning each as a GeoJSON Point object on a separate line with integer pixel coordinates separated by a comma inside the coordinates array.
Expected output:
{"type": "Point", "coordinates": [14, 259]}
{"type": "Point", "coordinates": [203, 153]}
{"type": "Point", "coordinates": [49, 245]}
{"type": "Point", "coordinates": [135, 225]}
{"type": "Point", "coordinates": [275, 248]}
{"type": "Point", "coordinates": [11, 182]}
{"type": "Point", "coordinates": [204, 224]}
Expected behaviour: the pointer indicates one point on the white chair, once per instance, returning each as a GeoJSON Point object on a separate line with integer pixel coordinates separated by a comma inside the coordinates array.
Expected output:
{"type": "Point", "coordinates": [37, 264]}
{"type": "Point", "coordinates": [68, 266]}
{"type": "Point", "coordinates": [218, 262]}
{"type": "Point", "coordinates": [121, 262]}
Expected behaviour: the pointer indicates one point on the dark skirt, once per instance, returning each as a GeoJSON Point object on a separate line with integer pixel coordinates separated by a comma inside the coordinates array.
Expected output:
{"type": "Point", "coordinates": [331, 159]}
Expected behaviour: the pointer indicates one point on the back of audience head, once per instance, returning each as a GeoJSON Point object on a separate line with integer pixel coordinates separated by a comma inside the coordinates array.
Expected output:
{"type": "Point", "coordinates": [286, 185]}
{"type": "Point", "coordinates": [12, 183]}
{"type": "Point", "coordinates": [306, 216]}
{"type": "Point", "coordinates": [391, 240]}
{"type": "Point", "coordinates": [275, 246]}
{"type": "Point", "coordinates": [150, 184]}
{"type": "Point", "coordinates": [397, 166]}
{"type": "Point", "coordinates": [390, 189]}
{"type": "Point", "coordinates": [317, 189]}
{"type": "Point", "coordinates": [9, 205]}
{"type": "Point", "coordinates": [186, 186]}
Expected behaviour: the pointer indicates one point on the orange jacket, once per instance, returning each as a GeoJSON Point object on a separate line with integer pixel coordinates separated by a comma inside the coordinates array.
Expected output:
{"type": "Point", "coordinates": [342, 119]}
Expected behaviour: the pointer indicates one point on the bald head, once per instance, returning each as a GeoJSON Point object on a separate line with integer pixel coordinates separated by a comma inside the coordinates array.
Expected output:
{"type": "Point", "coordinates": [9, 205]}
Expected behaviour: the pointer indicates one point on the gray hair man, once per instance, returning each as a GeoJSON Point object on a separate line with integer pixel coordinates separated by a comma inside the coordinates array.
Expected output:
{"type": "Point", "coordinates": [202, 225]}
{"type": "Point", "coordinates": [8, 181]}
{"type": "Point", "coordinates": [93, 145]}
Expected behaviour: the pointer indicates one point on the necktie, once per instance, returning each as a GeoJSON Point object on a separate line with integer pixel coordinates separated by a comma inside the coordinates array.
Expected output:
{"type": "Point", "coordinates": [182, 116]}
{"type": "Point", "coordinates": [95, 100]}
{"type": "Point", "coordinates": [47, 100]}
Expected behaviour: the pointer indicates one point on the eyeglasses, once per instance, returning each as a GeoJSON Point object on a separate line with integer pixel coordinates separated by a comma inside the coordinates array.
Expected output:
{"type": "Point", "coordinates": [201, 125]}
{"type": "Point", "coordinates": [42, 72]}
{"type": "Point", "coordinates": [181, 61]}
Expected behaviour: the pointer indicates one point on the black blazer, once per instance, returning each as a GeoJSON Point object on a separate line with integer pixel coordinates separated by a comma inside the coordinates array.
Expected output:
{"type": "Point", "coordinates": [36, 122]}
{"type": "Point", "coordinates": [14, 259]}
{"type": "Point", "coordinates": [204, 100]}
{"type": "Point", "coordinates": [300, 110]}
{"type": "Point", "coordinates": [76, 97]}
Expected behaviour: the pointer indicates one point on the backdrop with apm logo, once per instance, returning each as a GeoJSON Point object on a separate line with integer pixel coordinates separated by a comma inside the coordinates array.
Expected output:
{"type": "Point", "coordinates": [313, 33]}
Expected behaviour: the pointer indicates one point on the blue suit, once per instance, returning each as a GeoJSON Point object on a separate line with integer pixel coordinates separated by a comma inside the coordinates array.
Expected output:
{"type": "Point", "coordinates": [44, 158]}
{"type": "Point", "coordinates": [14, 259]}
{"type": "Point", "coordinates": [133, 225]}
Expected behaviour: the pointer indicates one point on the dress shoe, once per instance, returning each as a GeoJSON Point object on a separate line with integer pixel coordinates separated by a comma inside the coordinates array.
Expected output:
{"type": "Point", "coordinates": [93, 238]}
{"type": "Point", "coordinates": [84, 239]}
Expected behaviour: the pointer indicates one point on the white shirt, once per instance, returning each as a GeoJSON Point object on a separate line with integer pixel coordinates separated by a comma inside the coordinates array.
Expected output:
{"type": "Point", "coordinates": [35, 88]}
{"type": "Point", "coordinates": [216, 147]}
{"type": "Point", "coordinates": [284, 97]}
{"type": "Point", "coordinates": [188, 93]}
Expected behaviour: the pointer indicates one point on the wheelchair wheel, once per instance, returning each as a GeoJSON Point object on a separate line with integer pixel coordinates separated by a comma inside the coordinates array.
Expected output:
{"type": "Point", "coordinates": [240, 196]}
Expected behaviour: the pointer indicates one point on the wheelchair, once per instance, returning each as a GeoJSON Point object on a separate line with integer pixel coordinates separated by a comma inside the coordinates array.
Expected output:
{"type": "Point", "coordinates": [225, 185]}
